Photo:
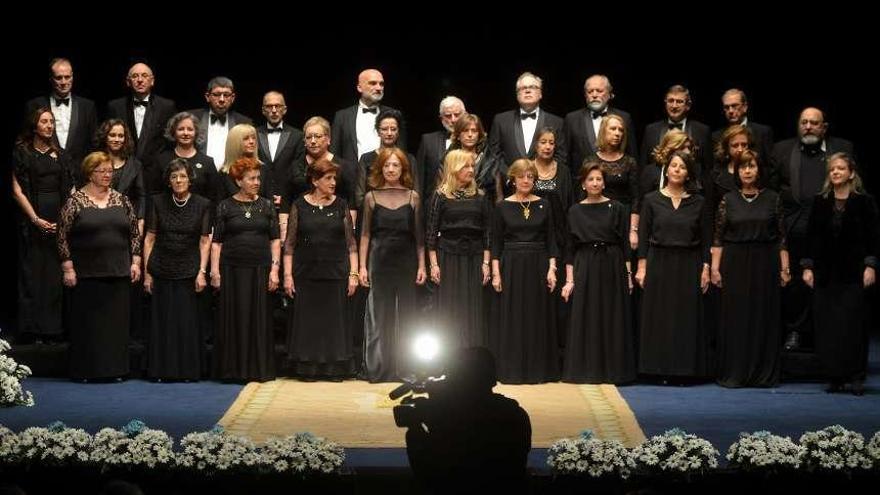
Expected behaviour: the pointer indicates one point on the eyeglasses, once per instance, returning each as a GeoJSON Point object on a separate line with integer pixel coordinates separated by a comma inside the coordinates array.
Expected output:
{"type": "Point", "coordinates": [533, 87]}
{"type": "Point", "coordinates": [274, 107]}
{"type": "Point", "coordinates": [144, 75]}
{"type": "Point", "coordinates": [314, 136]}
{"type": "Point", "coordinates": [676, 101]}
{"type": "Point", "coordinates": [222, 94]}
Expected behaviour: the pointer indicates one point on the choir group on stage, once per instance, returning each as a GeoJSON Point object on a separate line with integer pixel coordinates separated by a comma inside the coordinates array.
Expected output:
{"type": "Point", "coordinates": [558, 243]}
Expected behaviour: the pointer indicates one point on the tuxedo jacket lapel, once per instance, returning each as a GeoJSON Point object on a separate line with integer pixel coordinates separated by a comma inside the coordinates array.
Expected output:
{"type": "Point", "coordinates": [589, 130]}
{"type": "Point", "coordinates": [282, 141]}
{"type": "Point", "coordinates": [518, 134]}
{"type": "Point", "coordinates": [263, 137]}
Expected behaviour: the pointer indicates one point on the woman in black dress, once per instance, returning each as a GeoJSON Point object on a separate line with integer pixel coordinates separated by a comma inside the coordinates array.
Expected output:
{"type": "Point", "coordinates": [749, 262]}
{"type": "Point", "coordinates": [245, 256]}
{"type": "Point", "coordinates": [100, 250]}
{"type": "Point", "coordinates": [524, 252]}
{"type": "Point", "coordinates": [601, 344]}
{"type": "Point", "coordinates": [182, 133]}
{"type": "Point", "coordinates": [674, 273]}
{"type": "Point", "coordinates": [41, 183]}
{"type": "Point", "coordinates": [321, 274]}
{"type": "Point", "coordinates": [176, 249]}
{"type": "Point", "coordinates": [651, 178]}
{"type": "Point", "coordinates": [621, 170]}
{"type": "Point", "coordinates": [553, 180]}
{"type": "Point", "coordinates": [241, 142]}
{"type": "Point", "coordinates": [392, 264]}
{"type": "Point", "coordinates": [468, 134]}
{"type": "Point", "coordinates": [113, 138]}
{"type": "Point", "coordinates": [388, 125]}
{"type": "Point", "coordinates": [734, 141]}
{"type": "Point", "coordinates": [842, 263]}
{"type": "Point", "coordinates": [458, 251]}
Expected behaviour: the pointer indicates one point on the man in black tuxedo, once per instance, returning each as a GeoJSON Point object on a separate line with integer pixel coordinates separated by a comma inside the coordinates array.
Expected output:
{"type": "Point", "coordinates": [514, 133]}
{"type": "Point", "coordinates": [736, 108]}
{"type": "Point", "coordinates": [433, 145]}
{"type": "Point", "coordinates": [354, 128]}
{"type": "Point", "coordinates": [798, 172]}
{"type": "Point", "coordinates": [75, 117]}
{"type": "Point", "coordinates": [582, 126]}
{"type": "Point", "coordinates": [678, 104]}
{"type": "Point", "coordinates": [279, 144]}
{"type": "Point", "coordinates": [217, 119]}
{"type": "Point", "coordinates": [144, 113]}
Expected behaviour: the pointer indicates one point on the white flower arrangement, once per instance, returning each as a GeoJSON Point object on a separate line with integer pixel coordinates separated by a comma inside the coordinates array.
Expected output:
{"type": "Point", "coordinates": [8, 443]}
{"type": "Point", "coordinates": [303, 453]}
{"type": "Point", "coordinates": [873, 449]}
{"type": "Point", "coordinates": [217, 451]}
{"type": "Point", "coordinates": [588, 455]}
{"type": "Point", "coordinates": [54, 445]}
{"type": "Point", "coordinates": [11, 374]}
{"type": "Point", "coordinates": [834, 448]}
{"type": "Point", "coordinates": [134, 445]}
{"type": "Point", "coordinates": [675, 451]}
{"type": "Point", "coordinates": [764, 451]}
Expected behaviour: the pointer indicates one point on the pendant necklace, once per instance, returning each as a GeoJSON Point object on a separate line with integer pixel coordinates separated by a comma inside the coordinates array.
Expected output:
{"type": "Point", "coordinates": [525, 207]}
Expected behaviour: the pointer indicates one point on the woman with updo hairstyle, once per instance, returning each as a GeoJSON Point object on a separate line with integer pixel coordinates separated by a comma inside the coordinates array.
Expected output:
{"type": "Point", "coordinates": [100, 249]}
{"type": "Point", "coordinates": [749, 264]}
{"type": "Point", "coordinates": [245, 257]}
{"type": "Point", "coordinates": [601, 343]}
{"type": "Point", "coordinates": [459, 229]}
{"type": "Point", "coordinates": [524, 253]}
{"type": "Point", "coordinates": [176, 251]}
{"type": "Point", "coordinates": [652, 178]}
{"type": "Point", "coordinates": [674, 241]}
{"type": "Point", "coordinates": [844, 235]}
{"type": "Point", "coordinates": [321, 275]}
{"type": "Point", "coordinates": [392, 265]}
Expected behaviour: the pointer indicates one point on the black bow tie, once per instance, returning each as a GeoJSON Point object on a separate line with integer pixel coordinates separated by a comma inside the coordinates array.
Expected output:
{"type": "Point", "coordinates": [218, 118]}
{"type": "Point", "coordinates": [140, 103]}
{"type": "Point", "coordinates": [62, 101]}
{"type": "Point", "coordinates": [598, 115]}
{"type": "Point", "coordinates": [524, 116]}
{"type": "Point", "coordinates": [370, 110]}
{"type": "Point", "coordinates": [270, 130]}
{"type": "Point", "coordinates": [676, 125]}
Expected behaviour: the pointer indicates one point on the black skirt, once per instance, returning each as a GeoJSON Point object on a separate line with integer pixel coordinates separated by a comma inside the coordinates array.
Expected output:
{"type": "Point", "coordinates": [601, 341]}
{"type": "Point", "coordinates": [749, 324]}
{"type": "Point", "coordinates": [39, 275]}
{"type": "Point", "coordinates": [525, 343]}
{"type": "Point", "coordinates": [841, 336]}
{"type": "Point", "coordinates": [99, 317]}
{"type": "Point", "coordinates": [671, 340]}
{"type": "Point", "coordinates": [175, 349]}
{"type": "Point", "coordinates": [460, 301]}
{"type": "Point", "coordinates": [243, 347]}
{"type": "Point", "coordinates": [319, 341]}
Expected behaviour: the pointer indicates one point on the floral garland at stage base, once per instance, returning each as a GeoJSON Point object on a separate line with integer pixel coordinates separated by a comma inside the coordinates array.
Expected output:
{"type": "Point", "coordinates": [11, 375]}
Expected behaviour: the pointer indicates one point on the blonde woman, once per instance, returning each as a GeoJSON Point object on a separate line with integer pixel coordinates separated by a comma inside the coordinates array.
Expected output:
{"type": "Point", "coordinates": [242, 143]}
{"type": "Point", "coordinates": [458, 252]}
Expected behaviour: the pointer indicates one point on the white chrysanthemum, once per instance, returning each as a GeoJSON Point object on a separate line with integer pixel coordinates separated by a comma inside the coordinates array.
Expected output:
{"type": "Point", "coordinates": [590, 455]}
{"type": "Point", "coordinates": [11, 374]}
{"type": "Point", "coordinates": [217, 451]}
{"type": "Point", "coordinates": [675, 451]}
{"type": "Point", "coordinates": [303, 453]}
{"type": "Point", "coordinates": [834, 449]}
{"type": "Point", "coordinates": [762, 450]}
{"type": "Point", "coordinates": [55, 446]}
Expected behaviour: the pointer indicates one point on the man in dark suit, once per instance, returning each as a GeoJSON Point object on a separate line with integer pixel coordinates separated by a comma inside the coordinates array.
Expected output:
{"type": "Point", "coordinates": [514, 133]}
{"type": "Point", "coordinates": [75, 117]}
{"type": "Point", "coordinates": [354, 128]}
{"type": "Point", "coordinates": [678, 104]}
{"type": "Point", "coordinates": [144, 113]}
{"type": "Point", "coordinates": [582, 126]}
{"type": "Point", "coordinates": [279, 144]}
{"type": "Point", "coordinates": [798, 172]}
{"type": "Point", "coordinates": [217, 119]}
{"type": "Point", "coordinates": [433, 145]}
{"type": "Point", "coordinates": [736, 108]}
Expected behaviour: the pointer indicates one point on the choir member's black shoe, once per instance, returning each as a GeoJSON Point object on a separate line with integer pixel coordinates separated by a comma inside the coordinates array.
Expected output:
{"type": "Point", "coordinates": [336, 378]}
{"type": "Point", "coordinates": [858, 388]}
{"type": "Point", "coordinates": [793, 341]}
{"type": "Point", "coordinates": [834, 387]}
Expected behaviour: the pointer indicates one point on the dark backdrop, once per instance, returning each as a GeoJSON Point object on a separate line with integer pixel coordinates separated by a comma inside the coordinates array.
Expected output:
{"type": "Point", "coordinates": [783, 65]}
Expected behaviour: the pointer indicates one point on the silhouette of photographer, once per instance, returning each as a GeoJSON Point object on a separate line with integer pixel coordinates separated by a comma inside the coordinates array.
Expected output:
{"type": "Point", "coordinates": [466, 439]}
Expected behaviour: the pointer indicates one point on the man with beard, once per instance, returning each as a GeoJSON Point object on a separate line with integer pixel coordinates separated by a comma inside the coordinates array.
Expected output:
{"type": "Point", "coordinates": [218, 119]}
{"type": "Point", "coordinates": [736, 108]}
{"type": "Point", "coordinates": [799, 170]}
{"type": "Point", "coordinates": [354, 128]}
{"type": "Point", "coordinates": [433, 146]}
{"type": "Point", "coordinates": [582, 126]}
{"type": "Point", "coordinates": [280, 144]}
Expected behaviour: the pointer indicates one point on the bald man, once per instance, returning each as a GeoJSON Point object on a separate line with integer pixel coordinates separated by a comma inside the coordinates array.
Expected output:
{"type": "Point", "coordinates": [353, 132]}
{"type": "Point", "coordinates": [144, 113]}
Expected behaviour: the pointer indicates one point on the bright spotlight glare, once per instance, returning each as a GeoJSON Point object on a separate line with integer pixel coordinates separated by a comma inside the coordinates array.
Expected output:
{"type": "Point", "coordinates": [426, 347]}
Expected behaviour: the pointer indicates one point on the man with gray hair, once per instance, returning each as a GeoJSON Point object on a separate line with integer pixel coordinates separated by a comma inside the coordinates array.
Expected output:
{"type": "Point", "coordinates": [433, 145]}
{"type": "Point", "coordinates": [217, 119]}
{"type": "Point", "coordinates": [736, 107]}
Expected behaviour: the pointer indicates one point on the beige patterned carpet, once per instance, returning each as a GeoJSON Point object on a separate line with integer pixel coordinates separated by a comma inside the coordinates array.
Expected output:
{"type": "Point", "coordinates": [358, 414]}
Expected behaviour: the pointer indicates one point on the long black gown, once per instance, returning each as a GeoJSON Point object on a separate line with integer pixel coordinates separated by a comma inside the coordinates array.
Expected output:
{"type": "Point", "coordinates": [100, 242]}
{"type": "Point", "coordinates": [392, 223]}
{"type": "Point", "coordinates": [675, 243]}
{"type": "Point", "coordinates": [204, 180]}
{"type": "Point", "coordinates": [459, 230]}
{"type": "Point", "coordinates": [45, 180]}
{"type": "Point", "coordinates": [844, 239]}
{"type": "Point", "coordinates": [243, 344]}
{"type": "Point", "coordinates": [175, 344]}
{"type": "Point", "coordinates": [751, 234]}
{"type": "Point", "coordinates": [601, 343]}
{"type": "Point", "coordinates": [320, 238]}
{"type": "Point", "coordinates": [524, 341]}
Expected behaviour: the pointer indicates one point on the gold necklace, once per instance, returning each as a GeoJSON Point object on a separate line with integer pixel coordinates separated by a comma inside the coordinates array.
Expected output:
{"type": "Point", "coordinates": [526, 210]}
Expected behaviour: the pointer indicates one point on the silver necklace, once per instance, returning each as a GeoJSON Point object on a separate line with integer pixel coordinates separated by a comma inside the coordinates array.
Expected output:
{"type": "Point", "coordinates": [180, 204]}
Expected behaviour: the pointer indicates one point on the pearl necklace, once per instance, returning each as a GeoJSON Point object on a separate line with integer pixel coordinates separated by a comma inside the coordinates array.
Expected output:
{"type": "Point", "coordinates": [180, 204]}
